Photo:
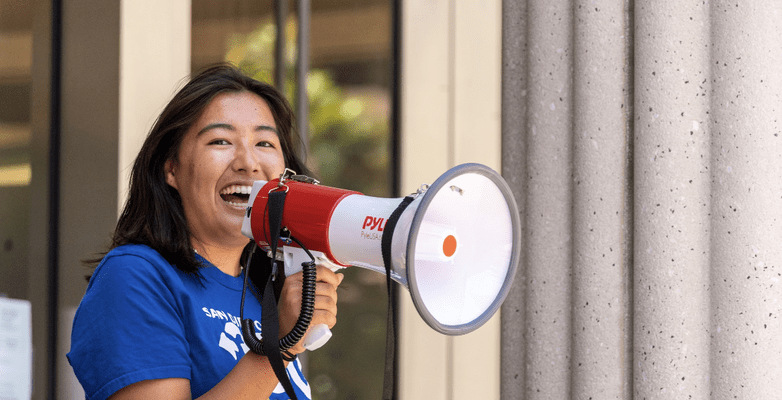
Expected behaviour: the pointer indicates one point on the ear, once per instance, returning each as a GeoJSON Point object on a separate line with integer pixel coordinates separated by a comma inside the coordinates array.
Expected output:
{"type": "Point", "coordinates": [170, 166]}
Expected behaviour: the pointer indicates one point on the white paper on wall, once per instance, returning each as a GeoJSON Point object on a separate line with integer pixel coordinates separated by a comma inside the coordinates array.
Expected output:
{"type": "Point", "coordinates": [16, 350]}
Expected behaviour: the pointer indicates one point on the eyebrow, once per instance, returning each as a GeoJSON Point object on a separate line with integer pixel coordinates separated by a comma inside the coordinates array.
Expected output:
{"type": "Point", "coordinates": [221, 125]}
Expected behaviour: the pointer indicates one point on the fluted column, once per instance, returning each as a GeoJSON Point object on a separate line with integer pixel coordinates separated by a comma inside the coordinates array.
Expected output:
{"type": "Point", "coordinates": [602, 216]}
{"type": "Point", "coordinates": [671, 246]}
{"type": "Point", "coordinates": [746, 207]}
{"type": "Point", "coordinates": [514, 169]}
{"type": "Point", "coordinates": [548, 200]}
{"type": "Point", "coordinates": [646, 150]}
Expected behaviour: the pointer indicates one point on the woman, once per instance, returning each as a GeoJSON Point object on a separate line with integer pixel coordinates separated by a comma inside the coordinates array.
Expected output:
{"type": "Point", "coordinates": [160, 318]}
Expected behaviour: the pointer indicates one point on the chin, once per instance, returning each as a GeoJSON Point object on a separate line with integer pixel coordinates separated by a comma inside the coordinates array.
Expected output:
{"type": "Point", "coordinates": [233, 225]}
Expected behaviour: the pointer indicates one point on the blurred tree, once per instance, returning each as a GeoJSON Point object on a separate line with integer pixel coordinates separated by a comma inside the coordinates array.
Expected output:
{"type": "Point", "coordinates": [348, 129]}
{"type": "Point", "coordinates": [348, 149]}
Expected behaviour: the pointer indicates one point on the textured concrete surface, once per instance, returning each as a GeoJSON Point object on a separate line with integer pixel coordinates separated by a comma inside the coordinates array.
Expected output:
{"type": "Point", "coordinates": [642, 139]}
{"type": "Point", "coordinates": [746, 209]}
{"type": "Point", "coordinates": [602, 217]}
{"type": "Point", "coordinates": [671, 201]}
{"type": "Point", "coordinates": [548, 200]}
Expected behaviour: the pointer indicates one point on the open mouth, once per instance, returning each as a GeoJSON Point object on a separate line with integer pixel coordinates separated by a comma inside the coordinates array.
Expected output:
{"type": "Point", "coordinates": [236, 195]}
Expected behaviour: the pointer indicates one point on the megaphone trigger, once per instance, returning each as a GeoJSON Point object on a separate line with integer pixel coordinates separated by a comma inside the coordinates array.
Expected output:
{"type": "Point", "coordinates": [293, 257]}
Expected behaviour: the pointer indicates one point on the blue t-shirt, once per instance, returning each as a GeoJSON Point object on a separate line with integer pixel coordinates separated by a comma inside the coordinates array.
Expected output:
{"type": "Point", "coordinates": [141, 318]}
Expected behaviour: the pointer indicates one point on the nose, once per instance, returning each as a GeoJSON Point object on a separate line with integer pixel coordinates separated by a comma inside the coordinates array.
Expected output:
{"type": "Point", "coordinates": [245, 159]}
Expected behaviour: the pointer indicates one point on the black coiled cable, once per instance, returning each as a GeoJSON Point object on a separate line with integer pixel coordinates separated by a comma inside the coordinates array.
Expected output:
{"type": "Point", "coordinates": [305, 315]}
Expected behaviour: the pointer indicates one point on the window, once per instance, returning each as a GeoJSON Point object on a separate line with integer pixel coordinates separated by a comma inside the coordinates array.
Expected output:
{"type": "Point", "coordinates": [16, 48]}
{"type": "Point", "coordinates": [349, 88]}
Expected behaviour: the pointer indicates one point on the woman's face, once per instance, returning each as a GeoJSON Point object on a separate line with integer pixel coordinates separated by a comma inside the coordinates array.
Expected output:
{"type": "Point", "coordinates": [233, 143]}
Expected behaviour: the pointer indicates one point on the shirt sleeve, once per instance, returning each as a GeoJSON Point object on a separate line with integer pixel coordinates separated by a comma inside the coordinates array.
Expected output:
{"type": "Point", "coordinates": [128, 327]}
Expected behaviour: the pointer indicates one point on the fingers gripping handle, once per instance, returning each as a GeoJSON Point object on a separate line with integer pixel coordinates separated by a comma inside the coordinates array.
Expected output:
{"type": "Point", "coordinates": [318, 334]}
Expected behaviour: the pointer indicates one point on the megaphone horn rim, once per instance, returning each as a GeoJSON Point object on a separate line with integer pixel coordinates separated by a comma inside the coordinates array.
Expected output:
{"type": "Point", "coordinates": [420, 211]}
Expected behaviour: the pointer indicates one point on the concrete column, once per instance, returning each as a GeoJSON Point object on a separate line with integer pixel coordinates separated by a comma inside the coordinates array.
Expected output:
{"type": "Point", "coordinates": [746, 206]}
{"type": "Point", "coordinates": [549, 200]}
{"type": "Point", "coordinates": [514, 169]}
{"type": "Point", "coordinates": [602, 193]}
{"type": "Point", "coordinates": [670, 283]}
{"type": "Point", "coordinates": [671, 200]}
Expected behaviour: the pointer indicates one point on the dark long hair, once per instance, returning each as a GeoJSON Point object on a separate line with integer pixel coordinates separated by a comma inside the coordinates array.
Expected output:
{"type": "Point", "coordinates": [153, 214]}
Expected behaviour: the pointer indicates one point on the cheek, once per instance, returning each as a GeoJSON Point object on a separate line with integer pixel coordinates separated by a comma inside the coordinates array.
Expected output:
{"type": "Point", "coordinates": [273, 163]}
{"type": "Point", "coordinates": [200, 175]}
{"type": "Point", "coordinates": [279, 166]}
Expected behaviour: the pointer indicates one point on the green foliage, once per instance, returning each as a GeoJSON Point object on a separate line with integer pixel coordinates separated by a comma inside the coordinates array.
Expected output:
{"type": "Point", "coordinates": [348, 131]}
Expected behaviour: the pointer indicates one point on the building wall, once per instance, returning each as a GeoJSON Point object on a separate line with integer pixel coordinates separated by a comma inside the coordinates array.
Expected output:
{"type": "Point", "coordinates": [121, 63]}
{"type": "Point", "coordinates": [450, 115]}
{"type": "Point", "coordinates": [642, 140]}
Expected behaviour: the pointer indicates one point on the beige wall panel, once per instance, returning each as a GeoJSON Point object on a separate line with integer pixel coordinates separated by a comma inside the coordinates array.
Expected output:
{"type": "Point", "coordinates": [425, 92]}
{"type": "Point", "coordinates": [424, 356]}
{"type": "Point", "coordinates": [476, 363]}
{"type": "Point", "coordinates": [425, 152]}
{"type": "Point", "coordinates": [476, 136]}
{"type": "Point", "coordinates": [450, 115]}
{"type": "Point", "coordinates": [154, 60]}
{"type": "Point", "coordinates": [476, 81]}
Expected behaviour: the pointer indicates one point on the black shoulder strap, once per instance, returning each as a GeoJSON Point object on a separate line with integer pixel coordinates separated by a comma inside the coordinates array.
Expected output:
{"type": "Point", "coordinates": [389, 383]}
{"type": "Point", "coordinates": [270, 319]}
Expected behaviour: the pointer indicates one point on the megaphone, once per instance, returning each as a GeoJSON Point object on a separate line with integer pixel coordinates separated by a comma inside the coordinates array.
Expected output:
{"type": "Point", "coordinates": [455, 246]}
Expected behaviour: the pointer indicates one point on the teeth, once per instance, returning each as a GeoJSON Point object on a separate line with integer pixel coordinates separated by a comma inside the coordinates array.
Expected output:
{"type": "Point", "coordinates": [237, 189]}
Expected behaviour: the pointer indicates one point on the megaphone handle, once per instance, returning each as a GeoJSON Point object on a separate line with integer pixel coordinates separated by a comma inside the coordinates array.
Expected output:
{"type": "Point", "coordinates": [294, 257]}
{"type": "Point", "coordinates": [317, 336]}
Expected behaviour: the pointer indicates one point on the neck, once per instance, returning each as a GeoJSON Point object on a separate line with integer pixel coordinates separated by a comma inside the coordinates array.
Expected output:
{"type": "Point", "coordinates": [226, 259]}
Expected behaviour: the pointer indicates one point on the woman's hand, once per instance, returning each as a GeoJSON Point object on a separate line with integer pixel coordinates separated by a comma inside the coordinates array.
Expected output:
{"type": "Point", "coordinates": [325, 310]}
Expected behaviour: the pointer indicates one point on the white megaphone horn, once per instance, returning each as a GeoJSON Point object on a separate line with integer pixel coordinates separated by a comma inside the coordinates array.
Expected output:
{"type": "Point", "coordinates": [455, 247]}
